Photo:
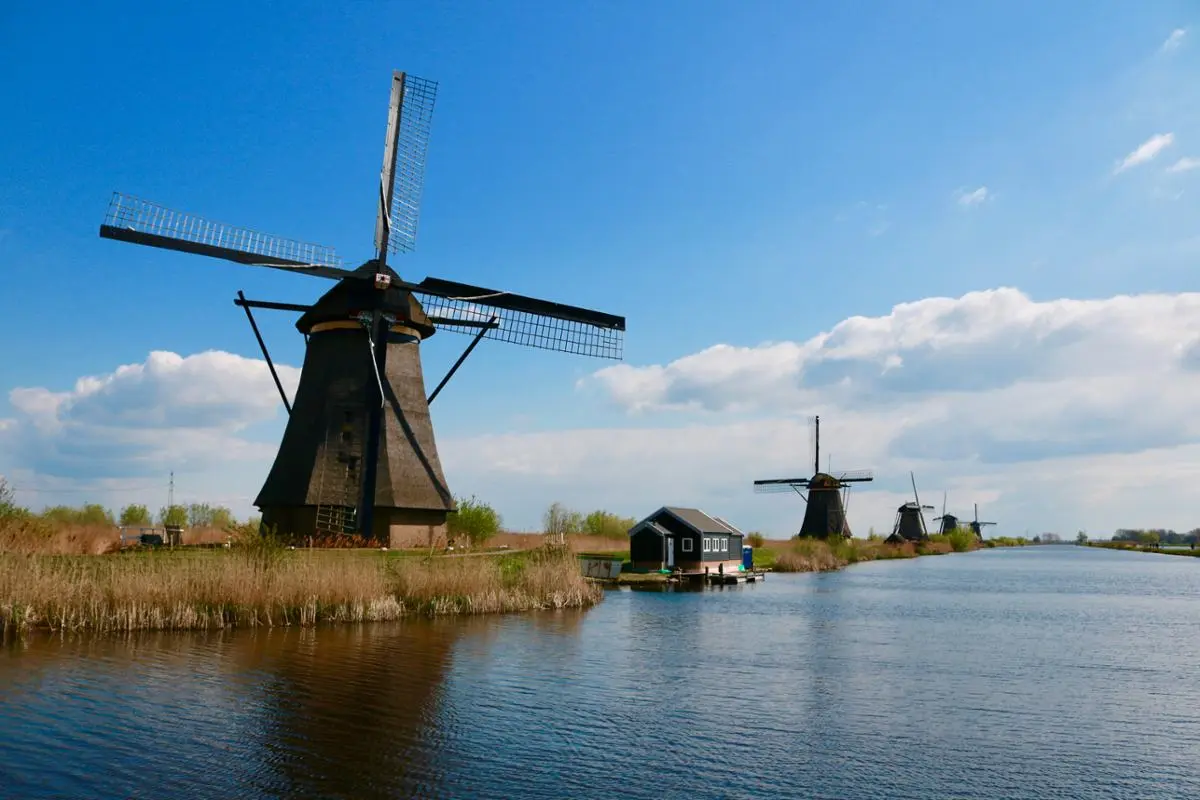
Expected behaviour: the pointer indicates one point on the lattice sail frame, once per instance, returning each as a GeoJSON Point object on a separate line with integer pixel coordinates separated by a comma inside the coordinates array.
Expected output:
{"type": "Point", "coordinates": [416, 118]}
{"type": "Point", "coordinates": [780, 485]}
{"type": "Point", "coordinates": [523, 327]}
{"type": "Point", "coordinates": [143, 216]}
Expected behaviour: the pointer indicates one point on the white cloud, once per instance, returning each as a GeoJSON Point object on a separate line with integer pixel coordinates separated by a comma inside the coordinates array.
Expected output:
{"type": "Point", "coordinates": [1185, 164]}
{"type": "Point", "coordinates": [976, 390]}
{"type": "Point", "coordinates": [1051, 415]}
{"type": "Point", "coordinates": [1175, 40]}
{"type": "Point", "coordinates": [1146, 151]}
{"type": "Point", "coordinates": [974, 197]}
{"type": "Point", "coordinates": [167, 412]}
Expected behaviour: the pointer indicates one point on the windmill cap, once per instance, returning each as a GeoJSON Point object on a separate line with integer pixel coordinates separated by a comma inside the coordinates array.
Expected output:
{"type": "Point", "coordinates": [358, 293]}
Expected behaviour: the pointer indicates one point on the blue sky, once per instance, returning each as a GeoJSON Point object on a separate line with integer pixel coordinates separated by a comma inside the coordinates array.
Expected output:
{"type": "Point", "coordinates": [720, 173]}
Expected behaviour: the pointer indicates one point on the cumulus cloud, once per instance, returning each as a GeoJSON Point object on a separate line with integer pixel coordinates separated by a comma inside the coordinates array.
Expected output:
{"type": "Point", "coordinates": [167, 410]}
{"type": "Point", "coordinates": [972, 198]}
{"type": "Point", "coordinates": [986, 340]}
{"type": "Point", "coordinates": [1146, 151]}
{"type": "Point", "coordinates": [1049, 414]}
{"type": "Point", "coordinates": [992, 383]}
{"type": "Point", "coordinates": [1175, 40]}
{"type": "Point", "coordinates": [1185, 164]}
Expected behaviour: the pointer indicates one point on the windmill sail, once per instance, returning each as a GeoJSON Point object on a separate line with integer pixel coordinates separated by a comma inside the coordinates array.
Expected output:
{"type": "Point", "coordinates": [522, 320]}
{"type": "Point", "coordinates": [403, 176]}
{"type": "Point", "coordinates": [131, 219]}
{"type": "Point", "coordinates": [776, 485]}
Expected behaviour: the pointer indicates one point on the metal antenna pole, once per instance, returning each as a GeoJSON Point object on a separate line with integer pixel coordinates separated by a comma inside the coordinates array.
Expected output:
{"type": "Point", "coordinates": [378, 330]}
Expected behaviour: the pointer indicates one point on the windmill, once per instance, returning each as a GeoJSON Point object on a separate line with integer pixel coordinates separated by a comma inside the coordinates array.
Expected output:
{"type": "Point", "coordinates": [910, 519]}
{"type": "Point", "coordinates": [358, 454]}
{"type": "Point", "coordinates": [825, 511]}
{"type": "Point", "coordinates": [948, 521]}
{"type": "Point", "coordinates": [976, 525]}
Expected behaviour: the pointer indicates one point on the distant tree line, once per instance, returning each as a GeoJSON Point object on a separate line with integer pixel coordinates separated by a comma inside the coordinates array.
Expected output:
{"type": "Point", "coordinates": [194, 515]}
{"type": "Point", "coordinates": [1152, 536]}
{"type": "Point", "coordinates": [559, 522]}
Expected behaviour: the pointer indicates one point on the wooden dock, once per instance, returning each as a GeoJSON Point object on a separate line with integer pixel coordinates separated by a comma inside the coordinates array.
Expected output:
{"type": "Point", "coordinates": [718, 578]}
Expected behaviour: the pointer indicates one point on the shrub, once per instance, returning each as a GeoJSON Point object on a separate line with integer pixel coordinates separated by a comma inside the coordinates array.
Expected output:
{"type": "Point", "coordinates": [475, 522]}
{"type": "Point", "coordinates": [8, 498]}
{"type": "Point", "coordinates": [961, 539]}
{"type": "Point", "coordinates": [755, 539]}
{"type": "Point", "coordinates": [134, 514]}
{"type": "Point", "coordinates": [607, 525]}
{"type": "Point", "coordinates": [262, 549]}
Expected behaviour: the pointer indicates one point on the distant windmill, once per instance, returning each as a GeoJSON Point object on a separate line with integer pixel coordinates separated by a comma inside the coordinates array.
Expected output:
{"type": "Point", "coordinates": [910, 519]}
{"type": "Point", "coordinates": [825, 512]}
{"type": "Point", "coordinates": [976, 525]}
{"type": "Point", "coordinates": [948, 521]}
{"type": "Point", "coordinates": [358, 453]}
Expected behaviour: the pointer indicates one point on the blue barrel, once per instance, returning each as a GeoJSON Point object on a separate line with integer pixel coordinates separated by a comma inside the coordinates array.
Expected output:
{"type": "Point", "coordinates": [747, 557]}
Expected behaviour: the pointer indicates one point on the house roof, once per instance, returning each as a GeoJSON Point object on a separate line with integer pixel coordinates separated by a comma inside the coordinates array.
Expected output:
{"type": "Point", "coordinates": [652, 525]}
{"type": "Point", "coordinates": [697, 520]}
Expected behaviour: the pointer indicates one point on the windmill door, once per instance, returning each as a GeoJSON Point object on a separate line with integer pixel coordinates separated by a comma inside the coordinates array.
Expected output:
{"type": "Point", "coordinates": [670, 552]}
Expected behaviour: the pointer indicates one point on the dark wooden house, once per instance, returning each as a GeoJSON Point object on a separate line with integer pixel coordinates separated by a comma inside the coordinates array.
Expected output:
{"type": "Point", "coordinates": [686, 539]}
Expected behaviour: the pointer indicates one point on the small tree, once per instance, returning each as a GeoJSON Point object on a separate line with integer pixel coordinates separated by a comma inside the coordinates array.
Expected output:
{"type": "Point", "coordinates": [222, 518]}
{"type": "Point", "coordinates": [1081, 538]}
{"type": "Point", "coordinates": [203, 515]}
{"type": "Point", "coordinates": [134, 514]}
{"type": "Point", "coordinates": [95, 514]}
{"type": "Point", "coordinates": [559, 522]}
{"type": "Point", "coordinates": [475, 522]}
{"type": "Point", "coordinates": [607, 525]}
{"type": "Point", "coordinates": [175, 516]}
{"type": "Point", "coordinates": [755, 539]}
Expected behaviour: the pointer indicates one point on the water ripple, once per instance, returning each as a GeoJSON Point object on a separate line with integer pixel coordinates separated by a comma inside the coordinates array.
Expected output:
{"type": "Point", "coordinates": [1043, 673]}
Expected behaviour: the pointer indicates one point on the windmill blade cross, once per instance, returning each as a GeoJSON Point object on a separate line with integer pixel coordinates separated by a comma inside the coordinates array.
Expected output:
{"type": "Point", "coordinates": [131, 219]}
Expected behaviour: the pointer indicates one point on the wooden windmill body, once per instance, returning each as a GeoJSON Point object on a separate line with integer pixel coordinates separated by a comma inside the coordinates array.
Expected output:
{"type": "Point", "coordinates": [949, 522]}
{"type": "Point", "coordinates": [358, 454]}
{"type": "Point", "coordinates": [825, 495]}
{"type": "Point", "coordinates": [977, 526]}
{"type": "Point", "coordinates": [910, 519]}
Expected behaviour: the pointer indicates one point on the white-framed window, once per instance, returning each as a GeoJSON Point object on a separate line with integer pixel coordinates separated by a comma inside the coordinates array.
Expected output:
{"type": "Point", "coordinates": [687, 544]}
{"type": "Point", "coordinates": [707, 544]}
{"type": "Point", "coordinates": [724, 545]}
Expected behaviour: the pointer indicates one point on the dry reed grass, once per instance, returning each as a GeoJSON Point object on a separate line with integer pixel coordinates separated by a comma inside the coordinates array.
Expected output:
{"type": "Point", "coordinates": [220, 588]}
{"type": "Point", "coordinates": [576, 542]}
{"type": "Point", "coordinates": [816, 555]}
{"type": "Point", "coordinates": [29, 534]}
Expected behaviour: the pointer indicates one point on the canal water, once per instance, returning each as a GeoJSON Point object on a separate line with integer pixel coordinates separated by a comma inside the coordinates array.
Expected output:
{"type": "Point", "coordinates": [1052, 672]}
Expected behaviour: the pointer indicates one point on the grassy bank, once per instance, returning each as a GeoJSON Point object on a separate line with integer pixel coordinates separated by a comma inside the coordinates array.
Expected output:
{"type": "Point", "coordinates": [248, 587]}
{"type": "Point", "coordinates": [816, 555]}
{"type": "Point", "coordinates": [1142, 548]}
